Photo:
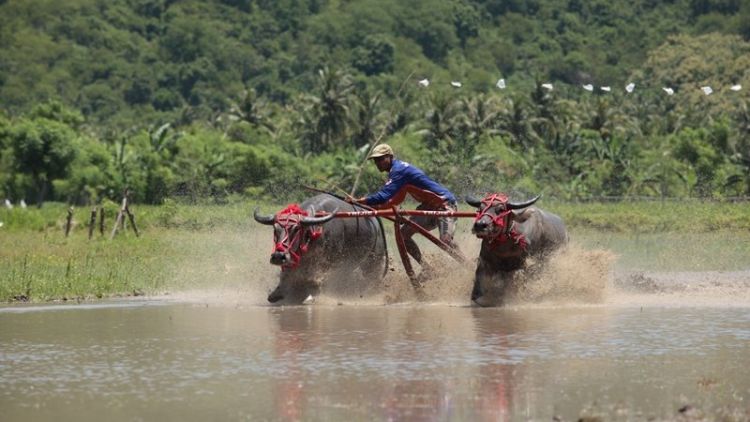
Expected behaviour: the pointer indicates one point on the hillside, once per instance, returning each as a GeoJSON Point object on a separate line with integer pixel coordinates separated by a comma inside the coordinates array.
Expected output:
{"type": "Point", "coordinates": [197, 98]}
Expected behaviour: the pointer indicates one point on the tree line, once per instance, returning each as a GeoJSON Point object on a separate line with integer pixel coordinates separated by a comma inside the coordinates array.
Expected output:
{"type": "Point", "coordinates": [212, 99]}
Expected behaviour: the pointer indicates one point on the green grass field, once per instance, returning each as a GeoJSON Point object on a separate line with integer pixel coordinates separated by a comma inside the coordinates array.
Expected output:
{"type": "Point", "coordinates": [183, 246]}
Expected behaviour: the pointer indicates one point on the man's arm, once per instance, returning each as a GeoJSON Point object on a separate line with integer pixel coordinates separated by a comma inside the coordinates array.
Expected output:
{"type": "Point", "coordinates": [394, 184]}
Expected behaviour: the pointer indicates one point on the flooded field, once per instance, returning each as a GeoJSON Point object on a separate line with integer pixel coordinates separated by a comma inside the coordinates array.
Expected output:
{"type": "Point", "coordinates": [650, 332]}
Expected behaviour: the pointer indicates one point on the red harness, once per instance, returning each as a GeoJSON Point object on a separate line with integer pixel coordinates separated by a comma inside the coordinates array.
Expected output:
{"type": "Point", "coordinates": [293, 239]}
{"type": "Point", "coordinates": [501, 220]}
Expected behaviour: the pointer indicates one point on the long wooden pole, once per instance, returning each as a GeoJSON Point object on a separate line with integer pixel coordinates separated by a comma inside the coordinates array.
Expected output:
{"type": "Point", "coordinates": [377, 140]}
{"type": "Point", "coordinates": [394, 212]}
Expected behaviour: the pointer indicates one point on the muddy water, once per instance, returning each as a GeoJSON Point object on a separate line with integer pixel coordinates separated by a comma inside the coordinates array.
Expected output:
{"type": "Point", "coordinates": [622, 329]}
{"type": "Point", "coordinates": [155, 359]}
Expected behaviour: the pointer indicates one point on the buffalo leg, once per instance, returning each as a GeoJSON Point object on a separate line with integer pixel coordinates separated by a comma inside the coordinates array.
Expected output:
{"type": "Point", "coordinates": [480, 275]}
{"type": "Point", "coordinates": [476, 291]}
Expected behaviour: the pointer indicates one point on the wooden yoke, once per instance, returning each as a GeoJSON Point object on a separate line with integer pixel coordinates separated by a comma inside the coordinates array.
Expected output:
{"type": "Point", "coordinates": [396, 215]}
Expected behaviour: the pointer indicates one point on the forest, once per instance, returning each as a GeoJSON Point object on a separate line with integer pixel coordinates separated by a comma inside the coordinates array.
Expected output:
{"type": "Point", "coordinates": [204, 101]}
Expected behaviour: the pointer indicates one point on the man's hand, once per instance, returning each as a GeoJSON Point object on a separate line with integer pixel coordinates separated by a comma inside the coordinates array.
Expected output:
{"type": "Point", "coordinates": [353, 200]}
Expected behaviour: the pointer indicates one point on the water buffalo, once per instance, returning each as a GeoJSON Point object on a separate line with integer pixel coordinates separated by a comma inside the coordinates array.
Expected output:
{"type": "Point", "coordinates": [307, 246]}
{"type": "Point", "coordinates": [511, 233]}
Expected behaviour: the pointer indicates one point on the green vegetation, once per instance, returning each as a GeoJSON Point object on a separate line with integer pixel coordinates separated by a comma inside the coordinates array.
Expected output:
{"type": "Point", "coordinates": [200, 108]}
{"type": "Point", "coordinates": [179, 247]}
{"type": "Point", "coordinates": [212, 246]}
{"type": "Point", "coordinates": [194, 100]}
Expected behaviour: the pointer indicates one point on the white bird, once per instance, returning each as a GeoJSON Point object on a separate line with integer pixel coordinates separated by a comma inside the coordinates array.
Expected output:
{"type": "Point", "coordinates": [605, 88]}
{"type": "Point", "coordinates": [424, 82]}
{"type": "Point", "coordinates": [456, 84]}
{"type": "Point", "coordinates": [630, 87]}
{"type": "Point", "coordinates": [707, 90]}
{"type": "Point", "coordinates": [588, 87]}
{"type": "Point", "coordinates": [500, 83]}
{"type": "Point", "coordinates": [547, 86]}
{"type": "Point", "coordinates": [736, 87]}
{"type": "Point", "coordinates": [8, 204]}
{"type": "Point", "coordinates": [669, 91]}
{"type": "Point", "coordinates": [23, 203]}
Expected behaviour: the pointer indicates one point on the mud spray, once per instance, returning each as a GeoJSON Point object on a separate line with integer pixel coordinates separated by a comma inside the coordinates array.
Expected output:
{"type": "Point", "coordinates": [231, 267]}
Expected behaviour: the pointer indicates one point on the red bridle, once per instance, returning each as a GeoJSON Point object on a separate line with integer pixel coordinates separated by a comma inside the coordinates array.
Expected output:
{"type": "Point", "coordinates": [501, 220]}
{"type": "Point", "coordinates": [293, 239]}
{"type": "Point", "coordinates": [490, 201]}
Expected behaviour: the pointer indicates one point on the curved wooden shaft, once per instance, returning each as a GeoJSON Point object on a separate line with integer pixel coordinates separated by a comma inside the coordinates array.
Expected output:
{"type": "Point", "coordinates": [442, 245]}
{"type": "Point", "coordinates": [402, 247]}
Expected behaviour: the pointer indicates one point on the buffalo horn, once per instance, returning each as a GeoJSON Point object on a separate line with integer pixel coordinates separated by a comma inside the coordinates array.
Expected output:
{"type": "Point", "coordinates": [263, 219]}
{"type": "Point", "coordinates": [518, 206]}
{"type": "Point", "coordinates": [311, 221]}
{"type": "Point", "coordinates": [473, 201]}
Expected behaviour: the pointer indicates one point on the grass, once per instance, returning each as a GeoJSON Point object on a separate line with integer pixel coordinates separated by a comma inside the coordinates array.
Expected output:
{"type": "Point", "coordinates": [650, 217]}
{"type": "Point", "coordinates": [185, 246]}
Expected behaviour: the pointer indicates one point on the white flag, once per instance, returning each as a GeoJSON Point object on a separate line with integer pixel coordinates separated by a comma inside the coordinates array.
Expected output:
{"type": "Point", "coordinates": [630, 87]}
{"type": "Point", "coordinates": [500, 83]}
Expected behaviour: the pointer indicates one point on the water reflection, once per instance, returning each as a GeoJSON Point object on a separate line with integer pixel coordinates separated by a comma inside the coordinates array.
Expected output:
{"type": "Point", "coordinates": [396, 363]}
{"type": "Point", "coordinates": [384, 363]}
{"type": "Point", "coordinates": [291, 342]}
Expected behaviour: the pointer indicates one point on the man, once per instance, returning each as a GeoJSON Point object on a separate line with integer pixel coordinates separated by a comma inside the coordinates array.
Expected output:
{"type": "Point", "coordinates": [403, 179]}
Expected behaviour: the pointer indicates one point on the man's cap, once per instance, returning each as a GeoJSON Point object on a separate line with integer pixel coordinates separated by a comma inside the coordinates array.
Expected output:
{"type": "Point", "coordinates": [380, 150]}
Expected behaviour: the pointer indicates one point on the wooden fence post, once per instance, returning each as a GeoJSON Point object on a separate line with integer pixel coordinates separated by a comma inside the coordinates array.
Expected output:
{"type": "Point", "coordinates": [68, 221]}
{"type": "Point", "coordinates": [120, 215]}
{"type": "Point", "coordinates": [132, 221]}
{"type": "Point", "coordinates": [124, 211]}
{"type": "Point", "coordinates": [92, 222]}
{"type": "Point", "coordinates": [101, 221]}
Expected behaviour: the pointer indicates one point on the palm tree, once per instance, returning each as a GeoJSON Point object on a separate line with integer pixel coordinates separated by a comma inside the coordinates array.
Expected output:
{"type": "Point", "coordinates": [332, 104]}
{"type": "Point", "coordinates": [514, 120]}
{"type": "Point", "coordinates": [478, 117]}
{"type": "Point", "coordinates": [324, 118]}
{"type": "Point", "coordinates": [252, 109]}
{"type": "Point", "coordinates": [369, 119]}
{"type": "Point", "coordinates": [442, 121]}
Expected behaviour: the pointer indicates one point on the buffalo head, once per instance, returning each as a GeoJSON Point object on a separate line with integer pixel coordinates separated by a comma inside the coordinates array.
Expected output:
{"type": "Point", "coordinates": [293, 230]}
{"type": "Point", "coordinates": [495, 214]}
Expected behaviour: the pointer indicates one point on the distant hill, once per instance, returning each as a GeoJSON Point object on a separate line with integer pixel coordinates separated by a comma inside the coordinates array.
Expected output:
{"type": "Point", "coordinates": [125, 61]}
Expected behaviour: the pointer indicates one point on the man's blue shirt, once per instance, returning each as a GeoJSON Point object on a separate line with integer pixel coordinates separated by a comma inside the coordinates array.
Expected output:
{"type": "Point", "coordinates": [404, 175]}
